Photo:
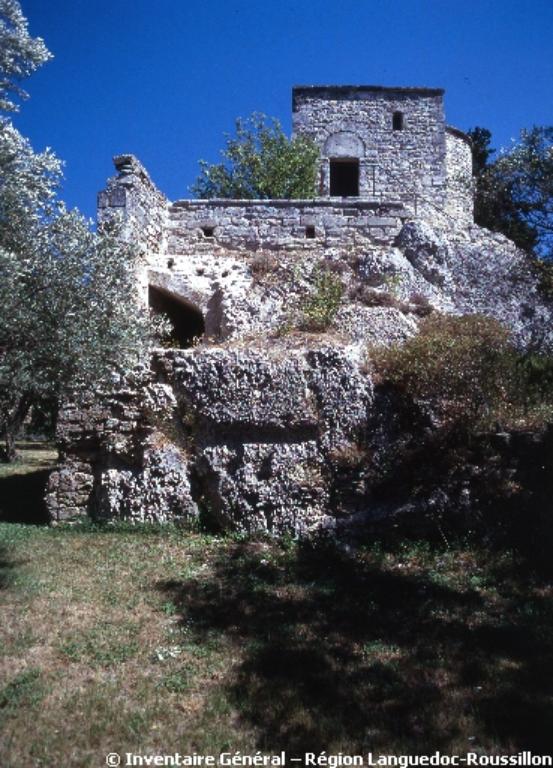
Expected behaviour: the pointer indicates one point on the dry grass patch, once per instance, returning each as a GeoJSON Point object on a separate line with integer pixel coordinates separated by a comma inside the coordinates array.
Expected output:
{"type": "Point", "coordinates": [158, 641]}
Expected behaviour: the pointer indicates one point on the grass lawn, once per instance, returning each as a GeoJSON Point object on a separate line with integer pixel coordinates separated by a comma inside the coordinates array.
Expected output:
{"type": "Point", "coordinates": [156, 641]}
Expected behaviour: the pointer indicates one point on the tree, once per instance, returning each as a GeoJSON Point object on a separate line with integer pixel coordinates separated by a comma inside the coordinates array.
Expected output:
{"type": "Point", "coordinates": [528, 172]}
{"type": "Point", "coordinates": [65, 316]}
{"type": "Point", "coordinates": [20, 54]}
{"type": "Point", "coordinates": [261, 162]}
{"type": "Point", "coordinates": [514, 192]}
{"type": "Point", "coordinates": [494, 205]}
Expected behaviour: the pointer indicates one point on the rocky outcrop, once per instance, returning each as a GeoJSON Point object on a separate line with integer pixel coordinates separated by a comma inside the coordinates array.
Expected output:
{"type": "Point", "coordinates": [481, 272]}
{"type": "Point", "coordinates": [123, 455]}
{"type": "Point", "coordinates": [264, 432]}
{"type": "Point", "coordinates": [244, 438]}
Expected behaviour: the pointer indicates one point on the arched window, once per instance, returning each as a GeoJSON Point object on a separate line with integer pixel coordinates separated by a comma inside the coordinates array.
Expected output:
{"type": "Point", "coordinates": [397, 121]}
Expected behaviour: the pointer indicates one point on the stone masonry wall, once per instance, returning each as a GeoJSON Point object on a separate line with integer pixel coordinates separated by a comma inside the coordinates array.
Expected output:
{"type": "Point", "coordinates": [245, 438]}
{"type": "Point", "coordinates": [122, 455]}
{"type": "Point", "coordinates": [460, 199]}
{"type": "Point", "coordinates": [204, 225]}
{"type": "Point", "coordinates": [132, 196]}
{"type": "Point", "coordinates": [394, 164]}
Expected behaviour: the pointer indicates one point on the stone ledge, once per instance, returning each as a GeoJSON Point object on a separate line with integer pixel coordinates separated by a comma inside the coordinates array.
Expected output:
{"type": "Point", "coordinates": [316, 202]}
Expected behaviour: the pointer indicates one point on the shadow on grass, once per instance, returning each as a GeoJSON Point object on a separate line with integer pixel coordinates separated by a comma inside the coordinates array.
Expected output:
{"type": "Point", "coordinates": [343, 652]}
{"type": "Point", "coordinates": [7, 566]}
{"type": "Point", "coordinates": [22, 498]}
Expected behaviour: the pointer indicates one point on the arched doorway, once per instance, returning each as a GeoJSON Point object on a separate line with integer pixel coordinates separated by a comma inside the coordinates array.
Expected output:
{"type": "Point", "coordinates": [187, 320]}
{"type": "Point", "coordinates": [343, 152]}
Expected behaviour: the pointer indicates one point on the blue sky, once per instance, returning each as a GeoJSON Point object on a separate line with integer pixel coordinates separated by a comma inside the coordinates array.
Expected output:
{"type": "Point", "coordinates": [165, 79]}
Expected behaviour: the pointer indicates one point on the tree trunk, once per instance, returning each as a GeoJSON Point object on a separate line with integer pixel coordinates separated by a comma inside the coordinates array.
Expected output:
{"type": "Point", "coordinates": [7, 451]}
{"type": "Point", "coordinates": [10, 429]}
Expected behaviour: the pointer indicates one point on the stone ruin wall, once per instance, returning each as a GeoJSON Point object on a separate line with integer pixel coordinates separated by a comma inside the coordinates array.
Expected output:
{"type": "Point", "coordinates": [131, 199]}
{"type": "Point", "coordinates": [245, 439]}
{"type": "Point", "coordinates": [254, 437]}
{"type": "Point", "coordinates": [252, 225]}
{"type": "Point", "coordinates": [460, 191]}
{"type": "Point", "coordinates": [172, 234]}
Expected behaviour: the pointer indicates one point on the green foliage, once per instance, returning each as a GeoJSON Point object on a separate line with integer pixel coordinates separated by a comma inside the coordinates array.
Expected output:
{"type": "Point", "coordinates": [106, 644]}
{"type": "Point", "coordinates": [26, 690]}
{"type": "Point", "coordinates": [544, 270]}
{"type": "Point", "coordinates": [514, 192]}
{"type": "Point", "coordinates": [176, 682]}
{"type": "Point", "coordinates": [261, 162]}
{"type": "Point", "coordinates": [466, 371]}
{"type": "Point", "coordinates": [481, 149]}
{"type": "Point", "coordinates": [455, 364]}
{"type": "Point", "coordinates": [322, 305]}
{"type": "Point", "coordinates": [528, 168]}
{"type": "Point", "coordinates": [20, 54]}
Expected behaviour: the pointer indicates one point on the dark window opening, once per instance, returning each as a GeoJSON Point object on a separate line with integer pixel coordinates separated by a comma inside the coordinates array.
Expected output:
{"type": "Point", "coordinates": [208, 231]}
{"type": "Point", "coordinates": [310, 232]}
{"type": "Point", "coordinates": [397, 121]}
{"type": "Point", "coordinates": [187, 321]}
{"type": "Point", "coordinates": [344, 178]}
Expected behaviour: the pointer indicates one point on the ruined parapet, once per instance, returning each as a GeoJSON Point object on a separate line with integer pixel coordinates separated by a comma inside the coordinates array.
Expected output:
{"type": "Point", "coordinates": [211, 226]}
{"type": "Point", "coordinates": [133, 202]}
{"type": "Point", "coordinates": [132, 197]}
{"type": "Point", "coordinates": [460, 188]}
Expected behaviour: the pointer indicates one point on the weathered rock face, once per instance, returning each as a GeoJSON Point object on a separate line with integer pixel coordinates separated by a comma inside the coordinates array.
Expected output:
{"type": "Point", "coordinates": [480, 272]}
{"type": "Point", "coordinates": [122, 456]}
{"type": "Point", "coordinates": [284, 441]}
{"type": "Point", "coordinates": [245, 438]}
{"type": "Point", "coordinates": [265, 432]}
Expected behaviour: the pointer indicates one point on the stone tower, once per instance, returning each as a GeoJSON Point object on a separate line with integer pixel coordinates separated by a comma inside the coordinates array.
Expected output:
{"type": "Point", "coordinates": [386, 143]}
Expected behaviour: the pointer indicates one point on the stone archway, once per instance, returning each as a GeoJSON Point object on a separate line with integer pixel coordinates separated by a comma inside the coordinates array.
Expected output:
{"type": "Point", "coordinates": [344, 144]}
{"type": "Point", "coordinates": [187, 320]}
{"type": "Point", "coordinates": [342, 154]}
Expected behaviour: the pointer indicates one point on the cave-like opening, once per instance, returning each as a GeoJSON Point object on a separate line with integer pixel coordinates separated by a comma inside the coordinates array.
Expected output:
{"type": "Point", "coordinates": [186, 319]}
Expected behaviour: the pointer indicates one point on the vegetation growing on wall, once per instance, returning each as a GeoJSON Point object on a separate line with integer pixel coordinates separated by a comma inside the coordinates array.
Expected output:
{"type": "Point", "coordinates": [466, 370]}
{"type": "Point", "coordinates": [324, 301]}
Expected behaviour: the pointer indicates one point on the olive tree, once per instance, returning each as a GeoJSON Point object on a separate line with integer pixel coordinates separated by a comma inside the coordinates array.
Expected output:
{"type": "Point", "coordinates": [20, 54]}
{"type": "Point", "coordinates": [68, 314]}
